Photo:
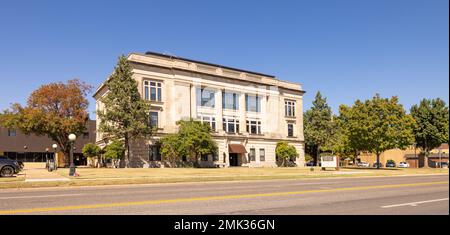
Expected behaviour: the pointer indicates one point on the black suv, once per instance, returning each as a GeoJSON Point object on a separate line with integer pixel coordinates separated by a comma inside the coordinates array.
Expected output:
{"type": "Point", "coordinates": [9, 167]}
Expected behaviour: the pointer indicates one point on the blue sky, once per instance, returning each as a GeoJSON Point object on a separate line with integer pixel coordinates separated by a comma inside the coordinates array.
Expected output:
{"type": "Point", "coordinates": [347, 49]}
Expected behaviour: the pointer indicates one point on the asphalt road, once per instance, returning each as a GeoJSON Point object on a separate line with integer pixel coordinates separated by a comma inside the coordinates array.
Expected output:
{"type": "Point", "coordinates": [364, 196]}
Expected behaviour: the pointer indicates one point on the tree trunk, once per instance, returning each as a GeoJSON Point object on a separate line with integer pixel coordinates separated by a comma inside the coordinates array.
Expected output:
{"type": "Point", "coordinates": [67, 158]}
{"type": "Point", "coordinates": [196, 160]}
{"type": "Point", "coordinates": [316, 161]}
{"type": "Point", "coordinates": [378, 160]}
{"type": "Point", "coordinates": [425, 160]}
{"type": "Point", "coordinates": [127, 151]}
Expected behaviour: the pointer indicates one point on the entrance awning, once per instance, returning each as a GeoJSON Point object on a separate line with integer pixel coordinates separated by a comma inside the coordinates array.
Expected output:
{"type": "Point", "coordinates": [236, 148]}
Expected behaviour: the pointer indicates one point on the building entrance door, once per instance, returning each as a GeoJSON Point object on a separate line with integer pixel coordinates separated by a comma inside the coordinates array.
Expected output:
{"type": "Point", "coordinates": [234, 159]}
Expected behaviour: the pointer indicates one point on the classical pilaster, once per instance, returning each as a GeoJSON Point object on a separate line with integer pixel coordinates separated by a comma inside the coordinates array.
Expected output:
{"type": "Point", "coordinates": [242, 114]}
{"type": "Point", "coordinates": [219, 112]}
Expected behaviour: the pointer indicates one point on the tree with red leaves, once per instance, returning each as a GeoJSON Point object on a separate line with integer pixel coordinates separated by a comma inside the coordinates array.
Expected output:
{"type": "Point", "coordinates": [54, 110]}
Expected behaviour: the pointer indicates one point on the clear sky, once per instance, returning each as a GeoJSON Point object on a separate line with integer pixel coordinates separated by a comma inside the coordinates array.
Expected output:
{"type": "Point", "coordinates": [347, 49]}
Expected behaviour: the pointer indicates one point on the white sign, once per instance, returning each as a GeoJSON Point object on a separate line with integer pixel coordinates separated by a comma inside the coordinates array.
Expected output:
{"type": "Point", "coordinates": [329, 161]}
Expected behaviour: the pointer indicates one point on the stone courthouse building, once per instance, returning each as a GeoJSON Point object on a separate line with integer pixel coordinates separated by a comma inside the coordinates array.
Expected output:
{"type": "Point", "coordinates": [248, 112]}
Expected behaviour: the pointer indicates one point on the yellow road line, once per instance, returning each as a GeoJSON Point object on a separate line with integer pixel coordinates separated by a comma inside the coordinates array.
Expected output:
{"type": "Point", "coordinates": [177, 200]}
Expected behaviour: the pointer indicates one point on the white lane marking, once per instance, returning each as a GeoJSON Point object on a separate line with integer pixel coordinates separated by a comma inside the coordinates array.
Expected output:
{"type": "Point", "coordinates": [415, 203]}
{"type": "Point", "coordinates": [41, 196]}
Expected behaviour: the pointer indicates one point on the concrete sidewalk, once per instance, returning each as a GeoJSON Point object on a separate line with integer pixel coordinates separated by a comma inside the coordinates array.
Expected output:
{"type": "Point", "coordinates": [36, 172]}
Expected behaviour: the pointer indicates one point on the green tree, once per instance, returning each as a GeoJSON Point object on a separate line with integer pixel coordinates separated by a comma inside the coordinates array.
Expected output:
{"type": "Point", "coordinates": [378, 125]}
{"type": "Point", "coordinates": [318, 126]}
{"type": "Point", "coordinates": [285, 152]}
{"type": "Point", "coordinates": [91, 151]}
{"type": "Point", "coordinates": [192, 140]}
{"type": "Point", "coordinates": [54, 110]}
{"type": "Point", "coordinates": [196, 139]}
{"type": "Point", "coordinates": [431, 128]}
{"type": "Point", "coordinates": [125, 115]}
{"type": "Point", "coordinates": [341, 144]}
{"type": "Point", "coordinates": [172, 148]}
{"type": "Point", "coordinates": [115, 151]}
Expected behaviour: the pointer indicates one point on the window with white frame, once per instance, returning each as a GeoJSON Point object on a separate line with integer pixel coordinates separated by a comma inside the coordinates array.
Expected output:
{"type": "Point", "coordinates": [289, 108]}
{"type": "Point", "coordinates": [230, 100]}
{"type": "Point", "coordinates": [215, 157]}
{"type": "Point", "coordinates": [153, 119]}
{"type": "Point", "coordinates": [252, 103]}
{"type": "Point", "coordinates": [231, 125]}
{"type": "Point", "coordinates": [254, 127]}
{"type": "Point", "coordinates": [205, 97]}
{"type": "Point", "coordinates": [290, 129]}
{"type": "Point", "coordinates": [208, 119]}
{"type": "Point", "coordinates": [152, 90]}
{"type": "Point", "coordinates": [252, 155]}
{"type": "Point", "coordinates": [262, 155]}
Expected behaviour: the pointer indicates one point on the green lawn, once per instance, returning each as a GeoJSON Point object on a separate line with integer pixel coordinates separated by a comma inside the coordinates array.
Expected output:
{"type": "Point", "coordinates": [164, 175]}
{"type": "Point", "coordinates": [108, 176]}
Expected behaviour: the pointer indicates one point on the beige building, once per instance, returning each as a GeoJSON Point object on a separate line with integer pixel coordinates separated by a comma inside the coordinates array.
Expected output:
{"type": "Point", "coordinates": [410, 155]}
{"type": "Point", "coordinates": [248, 112]}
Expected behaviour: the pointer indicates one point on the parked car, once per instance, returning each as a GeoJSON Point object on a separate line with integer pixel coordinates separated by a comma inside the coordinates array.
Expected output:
{"type": "Point", "coordinates": [310, 163]}
{"type": "Point", "coordinates": [376, 164]}
{"type": "Point", "coordinates": [390, 163]}
{"type": "Point", "coordinates": [9, 167]}
{"type": "Point", "coordinates": [442, 164]}
{"type": "Point", "coordinates": [363, 164]}
{"type": "Point", "coordinates": [403, 165]}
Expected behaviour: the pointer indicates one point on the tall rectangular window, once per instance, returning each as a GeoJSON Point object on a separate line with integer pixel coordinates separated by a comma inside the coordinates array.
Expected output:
{"type": "Point", "coordinates": [252, 155]}
{"type": "Point", "coordinates": [152, 90]}
{"type": "Point", "coordinates": [215, 157]}
{"type": "Point", "coordinates": [154, 153]}
{"type": "Point", "coordinates": [204, 157]}
{"type": "Point", "coordinates": [154, 119]}
{"type": "Point", "coordinates": [262, 155]}
{"type": "Point", "coordinates": [208, 119]}
{"type": "Point", "coordinates": [289, 108]}
{"type": "Point", "coordinates": [205, 97]}
{"type": "Point", "coordinates": [254, 127]}
{"type": "Point", "coordinates": [230, 100]}
{"type": "Point", "coordinates": [12, 132]}
{"type": "Point", "coordinates": [253, 103]}
{"type": "Point", "coordinates": [291, 130]}
{"type": "Point", "coordinates": [231, 125]}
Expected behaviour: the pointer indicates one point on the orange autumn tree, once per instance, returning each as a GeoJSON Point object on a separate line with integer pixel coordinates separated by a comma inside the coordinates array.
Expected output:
{"type": "Point", "coordinates": [54, 110]}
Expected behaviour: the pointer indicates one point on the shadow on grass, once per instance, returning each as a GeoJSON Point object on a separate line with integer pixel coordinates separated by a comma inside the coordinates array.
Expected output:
{"type": "Point", "coordinates": [371, 168]}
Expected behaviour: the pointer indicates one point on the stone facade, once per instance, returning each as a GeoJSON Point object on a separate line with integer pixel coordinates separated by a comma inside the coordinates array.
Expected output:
{"type": "Point", "coordinates": [179, 88]}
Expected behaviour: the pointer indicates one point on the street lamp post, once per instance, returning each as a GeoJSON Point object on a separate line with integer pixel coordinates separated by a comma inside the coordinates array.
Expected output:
{"type": "Point", "coordinates": [54, 146]}
{"type": "Point", "coordinates": [46, 154]}
{"type": "Point", "coordinates": [25, 153]}
{"type": "Point", "coordinates": [72, 138]}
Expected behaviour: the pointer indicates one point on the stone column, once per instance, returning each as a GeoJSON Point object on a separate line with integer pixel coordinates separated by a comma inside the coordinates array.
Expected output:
{"type": "Point", "coordinates": [242, 116]}
{"type": "Point", "coordinates": [193, 102]}
{"type": "Point", "coordinates": [264, 114]}
{"type": "Point", "coordinates": [218, 108]}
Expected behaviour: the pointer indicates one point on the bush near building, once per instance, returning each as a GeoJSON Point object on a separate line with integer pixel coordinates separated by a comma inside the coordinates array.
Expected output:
{"type": "Point", "coordinates": [192, 140]}
{"type": "Point", "coordinates": [286, 154]}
